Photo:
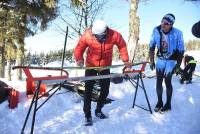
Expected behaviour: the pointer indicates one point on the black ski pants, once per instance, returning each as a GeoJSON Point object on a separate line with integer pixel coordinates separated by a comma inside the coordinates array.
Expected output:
{"type": "Point", "coordinates": [159, 88]}
{"type": "Point", "coordinates": [104, 84]}
{"type": "Point", "coordinates": [188, 70]}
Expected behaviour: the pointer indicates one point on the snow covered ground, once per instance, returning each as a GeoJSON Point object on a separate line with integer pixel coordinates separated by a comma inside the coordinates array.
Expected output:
{"type": "Point", "coordinates": [63, 114]}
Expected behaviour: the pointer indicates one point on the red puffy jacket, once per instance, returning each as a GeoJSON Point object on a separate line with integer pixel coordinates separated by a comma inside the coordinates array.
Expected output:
{"type": "Point", "coordinates": [100, 54]}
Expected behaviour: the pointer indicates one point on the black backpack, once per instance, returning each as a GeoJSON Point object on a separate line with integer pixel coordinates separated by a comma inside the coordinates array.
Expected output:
{"type": "Point", "coordinates": [4, 92]}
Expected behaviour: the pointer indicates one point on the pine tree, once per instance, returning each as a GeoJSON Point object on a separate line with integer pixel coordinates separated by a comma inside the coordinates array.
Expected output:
{"type": "Point", "coordinates": [28, 17]}
{"type": "Point", "coordinates": [27, 60]}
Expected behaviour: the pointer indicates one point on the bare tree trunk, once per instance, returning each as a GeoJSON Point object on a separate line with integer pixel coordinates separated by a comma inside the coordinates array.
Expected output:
{"type": "Point", "coordinates": [2, 60]}
{"type": "Point", "coordinates": [134, 23]}
{"type": "Point", "coordinates": [20, 60]}
{"type": "Point", "coordinates": [9, 69]}
{"type": "Point", "coordinates": [9, 55]}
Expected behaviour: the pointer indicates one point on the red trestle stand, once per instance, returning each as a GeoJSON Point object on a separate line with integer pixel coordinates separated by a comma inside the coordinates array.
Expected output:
{"type": "Point", "coordinates": [37, 90]}
{"type": "Point", "coordinates": [137, 82]}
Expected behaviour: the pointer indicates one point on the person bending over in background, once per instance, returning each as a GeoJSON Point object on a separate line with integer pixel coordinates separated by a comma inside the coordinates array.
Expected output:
{"type": "Point", "coordinates": [190, 65]}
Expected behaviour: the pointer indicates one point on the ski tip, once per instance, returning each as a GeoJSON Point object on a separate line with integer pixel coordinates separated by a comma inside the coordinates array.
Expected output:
{"type": "Point", "coordinates": [88, 124]}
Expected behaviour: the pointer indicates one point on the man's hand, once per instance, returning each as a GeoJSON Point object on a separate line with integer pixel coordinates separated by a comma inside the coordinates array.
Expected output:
{"type": "Point", "coordinates": [128, 64]}
{"type": "Point", "coordinates": [177, 69]}
{"type": "Point", "coordinates": [80, 63]}
{"type": "Point", "coordinates": [152, 65]}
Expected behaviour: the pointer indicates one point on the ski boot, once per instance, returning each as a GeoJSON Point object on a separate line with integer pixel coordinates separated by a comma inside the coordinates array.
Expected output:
{"type": "Point", "coordinates": [167, 107]}
{"type": "Point", "coordinates": [189, 82]}
{"type": "Point", "coordinates": [158, 106]}
{"type": "Point", "coordinates": [100, 114]}
{"type": "Point", "coordinates": [181, 81]}
{"type": "Point", "coordinates": [88, 121]}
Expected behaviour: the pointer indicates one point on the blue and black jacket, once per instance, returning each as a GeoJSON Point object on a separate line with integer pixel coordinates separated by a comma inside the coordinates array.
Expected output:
{"type": "Point", "coordinates": [175, 49]}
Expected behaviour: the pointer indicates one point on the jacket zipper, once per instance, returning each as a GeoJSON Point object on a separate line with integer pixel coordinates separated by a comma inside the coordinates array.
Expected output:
{"type": "Point", "coordinates": [101, 53]}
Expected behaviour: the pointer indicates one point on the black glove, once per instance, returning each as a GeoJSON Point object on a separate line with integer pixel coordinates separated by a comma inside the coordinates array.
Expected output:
{"type": "Point", "coordinates": [80, 63]}
{"type": "Point", "coordinates": [177, 69]}
{"type": "Point", "coordinates": [152, 65]}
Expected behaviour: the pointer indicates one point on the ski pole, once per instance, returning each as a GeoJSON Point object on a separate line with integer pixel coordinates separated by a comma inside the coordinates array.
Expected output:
{"type": "Point", "coordinates": [63, 56]}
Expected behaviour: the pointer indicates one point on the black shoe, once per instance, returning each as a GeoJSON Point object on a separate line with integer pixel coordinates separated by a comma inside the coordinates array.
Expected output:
{"type": "Point", "coordinates": [167, 107]}
{"type": "Point", "coordinates": [100, 114]}
{"type": "Point", "coordinates": [189, 82]}
{"type": "Point", "coordinates": [181, 81]}
{"type": "Point", "coordinates": [158, 107]}
{"type": "Point", "coordinates": [88, 121]}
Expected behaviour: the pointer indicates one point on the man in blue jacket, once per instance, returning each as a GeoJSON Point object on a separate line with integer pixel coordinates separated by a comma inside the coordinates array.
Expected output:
{"type": "Point", "coordinates": [170, 50]}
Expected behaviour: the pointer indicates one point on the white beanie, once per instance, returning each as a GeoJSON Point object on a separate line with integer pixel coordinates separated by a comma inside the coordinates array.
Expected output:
{"type": "Point", "coordinates": [99, 27]}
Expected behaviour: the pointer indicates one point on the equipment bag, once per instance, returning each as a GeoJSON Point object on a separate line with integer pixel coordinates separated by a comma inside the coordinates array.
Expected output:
{"type": "Point", "coordinates": [4, 91]}
{"type": "Point", "coordinates": [13, 98]}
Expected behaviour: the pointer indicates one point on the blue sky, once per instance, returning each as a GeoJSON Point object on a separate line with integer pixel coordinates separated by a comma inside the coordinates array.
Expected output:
{"type": "Point", "coordinates": [116, 14]}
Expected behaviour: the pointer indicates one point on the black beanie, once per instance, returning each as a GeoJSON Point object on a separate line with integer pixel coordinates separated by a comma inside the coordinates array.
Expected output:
{"type": "Point", "coordinates": [196, 29]}
{"type": "Point", "coordinates": [170, 18]}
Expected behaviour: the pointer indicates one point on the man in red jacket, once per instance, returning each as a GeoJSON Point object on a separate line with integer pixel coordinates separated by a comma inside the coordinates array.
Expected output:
{"type": "Point", "coordinates": [99, 41]}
